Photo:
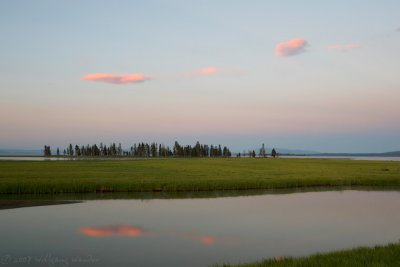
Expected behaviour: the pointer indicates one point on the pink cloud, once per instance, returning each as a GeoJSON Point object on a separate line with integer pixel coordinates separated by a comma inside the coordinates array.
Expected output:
{"type": "Point", "coordinates": [115, 78]}
{"type": "Point", "coordinates": [343, 47]}
{"type": "Point", "coordinates": [208, 71]}
{"type": "Point", "coordinates": [291, 48]}
{"type": "Point", "coordinates": [116, 230]}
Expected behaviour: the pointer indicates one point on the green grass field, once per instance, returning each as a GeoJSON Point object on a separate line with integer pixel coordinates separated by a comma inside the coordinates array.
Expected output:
{"type": "Point", "coordinates": [85, 176]}
{"type": "Point", "coordinates": [360, 257]}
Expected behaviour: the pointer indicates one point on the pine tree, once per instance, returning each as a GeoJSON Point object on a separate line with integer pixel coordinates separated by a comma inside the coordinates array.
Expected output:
{"type": "Point", "coordinates": [47, 151]}
{"type": "Point", "coordinates": [71, 150]}
{"type": "Point", "coordinates": [262, 152]}
{"type": "Point", "coordinates": [119, 150]}
{"type": "Point", "coordinates": [178, 151]}
{"type": "Point", "coordinates": [77, 150]}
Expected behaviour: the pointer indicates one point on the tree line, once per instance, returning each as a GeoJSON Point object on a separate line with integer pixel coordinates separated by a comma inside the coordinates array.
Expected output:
{"type": "Point", "coordinates": [154, 150]}
{"type": "Point", "coordinates": [142, 150]}
{"type": "Point", "coordinates": [262, 153]}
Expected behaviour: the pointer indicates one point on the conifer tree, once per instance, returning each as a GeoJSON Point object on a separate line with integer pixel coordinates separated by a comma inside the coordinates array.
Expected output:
{"type": "Point", "coordinates": [263, 152]}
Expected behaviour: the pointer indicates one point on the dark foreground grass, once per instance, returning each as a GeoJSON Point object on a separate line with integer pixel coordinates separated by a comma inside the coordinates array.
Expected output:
{"type": "Point", "coordinates": [360, 257]}
{"type": "Point", "coordinates": [168, 175]}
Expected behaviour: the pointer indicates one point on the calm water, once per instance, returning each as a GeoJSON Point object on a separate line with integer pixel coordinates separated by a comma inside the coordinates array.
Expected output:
{"type": "Point", "coordinates": [197, 232]}
{"type": "Point", "coordinates": [32, 158]}
{"type": "Point", "coordinates": [306, 157]}
{"type": "Point", "coordinates": [344, 157]}
{"type": "Point", "coordinates": [27, 158]}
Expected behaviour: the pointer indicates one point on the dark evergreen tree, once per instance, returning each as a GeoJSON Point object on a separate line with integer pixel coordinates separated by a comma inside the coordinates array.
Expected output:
{"type": "Point", "coordinates": [225, 152]}
{"type": "Point", "coordinates": [47, 151]}
{"type": "Point", "coordinates": [144, 150]}
{"type": "Point", "coordinates": [71, 150]}
{"type": "Point", "coordinates": [77, 150]}
{"type": "Point", "coordinates": [263, 152]}
{"type": "Point", "coordinates": [119, 150]}
{"type": "Point", "coordinates": [153, 148]}
{"type": "Point", "coordinates": [178, 150]}
{"type": "Point", "coordinates": [206, 152]}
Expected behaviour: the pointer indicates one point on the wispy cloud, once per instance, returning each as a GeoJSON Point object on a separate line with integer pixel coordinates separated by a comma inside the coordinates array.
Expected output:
{"type": "Point", "coordinates": [291, 48]}
{"type": "Point", "coordinates": [205, 71]}
{"type": "Point", "coordinates": [114, 230]}
{"type": "Point", "coordinates": [343, 47]}
{"type": "Point", "coordinates": [116, 78]}
{"type": "Point", "coordinates": [212, 70]}
{"type": "Point", "coordinates": [140, 78]}
{"type": "Point", "coordinates": [208, 71]}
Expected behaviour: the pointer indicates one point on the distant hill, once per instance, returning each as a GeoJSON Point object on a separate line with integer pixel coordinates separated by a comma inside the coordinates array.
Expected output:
{"type": "Point", "coordinates": [385, 154]}
{"type": "Point", "coordinates": [285, 151]}
{"type": "Point", "coordinates": [32, 152]}
{"type": "Point", "coordinates": [391, 154]}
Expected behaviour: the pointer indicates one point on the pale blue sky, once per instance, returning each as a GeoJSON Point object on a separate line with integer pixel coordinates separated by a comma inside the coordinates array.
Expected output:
{"type": "Point", "coordinates": [322, 99]}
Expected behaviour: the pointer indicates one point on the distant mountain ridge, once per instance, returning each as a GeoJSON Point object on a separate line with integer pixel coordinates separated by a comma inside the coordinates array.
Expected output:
{"type": "Point", "coordinates": [384, 154]}
{"type": "Point", "coordinates": [286, 151]}
{"type": "Point", "coordinates": [30, 152]}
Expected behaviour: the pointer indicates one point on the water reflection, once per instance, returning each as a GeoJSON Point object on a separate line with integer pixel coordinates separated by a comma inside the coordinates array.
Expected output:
{"type": "Point", "coordinates": [113, 230]}
{"type": "Point", "coordinates": [136, 231]}
{"type": "Point", "coordinates": [207, 240]}
{"type": "Point", "coordinates": [151, 196]}
{"type": "Point", "coordinates": [205, 231]}
{"type": "Point", "coordinates": [14, 204]}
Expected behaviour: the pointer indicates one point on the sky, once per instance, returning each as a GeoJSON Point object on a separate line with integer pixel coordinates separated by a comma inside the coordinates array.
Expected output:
{"type": "Point", "coordinates": [313, 75]}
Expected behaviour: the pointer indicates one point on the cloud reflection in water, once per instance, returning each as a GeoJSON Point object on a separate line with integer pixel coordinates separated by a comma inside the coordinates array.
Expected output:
{"type": "Point", "coordinates": [205, 239]}
{"type": "Point", "coordinates": [113, 230]}
{"type": "Point", "coordinates": [135, 231]}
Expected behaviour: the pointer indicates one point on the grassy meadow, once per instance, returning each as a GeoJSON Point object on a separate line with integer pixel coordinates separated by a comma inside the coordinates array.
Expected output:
{"type": "Point", "coordinates": [388, 255]}
{"type": "Point", "coordinates": [190, 174]}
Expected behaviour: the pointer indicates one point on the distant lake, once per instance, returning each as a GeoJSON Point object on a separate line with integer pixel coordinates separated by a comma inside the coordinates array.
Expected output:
{"type": "Point", "coordinates": [32, 158]}
{"type": "Point", "coordinates": [29, 158]}
{"type": "Point", "coordinates": [344, 157]}
{"type": "Point", "coordinates": [198, 232]}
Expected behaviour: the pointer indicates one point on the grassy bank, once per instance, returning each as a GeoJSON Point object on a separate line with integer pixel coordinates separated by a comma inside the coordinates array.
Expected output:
{"type": "Point", "coordinates": [36, 177]}
{"type": "Point", "coordinates": [360, 257]}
